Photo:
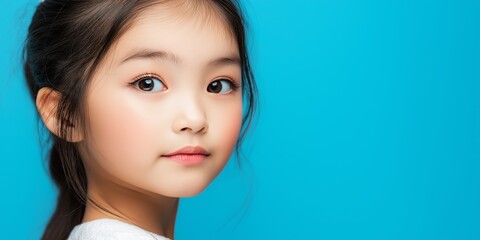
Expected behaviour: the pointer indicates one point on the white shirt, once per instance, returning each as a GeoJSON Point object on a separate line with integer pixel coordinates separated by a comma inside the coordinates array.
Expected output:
{"type": "Point", "coordinates": [111, 229]}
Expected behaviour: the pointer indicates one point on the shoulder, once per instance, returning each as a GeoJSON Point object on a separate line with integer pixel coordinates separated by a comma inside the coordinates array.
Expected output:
{"type": "Point", "coordinates": [110, 229]}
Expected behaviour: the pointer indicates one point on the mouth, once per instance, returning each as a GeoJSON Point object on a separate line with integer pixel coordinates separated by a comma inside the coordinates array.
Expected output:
{"type": "Point", "coordinates": [189, 155]}
{"type": "Point", "coordinates": [190, 150]}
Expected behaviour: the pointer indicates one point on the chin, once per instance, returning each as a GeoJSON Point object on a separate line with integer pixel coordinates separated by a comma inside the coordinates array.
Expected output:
{"type": "Point", "coordinates": [184, 190]}
{"type": "Point", "coordinates": [185, 193]}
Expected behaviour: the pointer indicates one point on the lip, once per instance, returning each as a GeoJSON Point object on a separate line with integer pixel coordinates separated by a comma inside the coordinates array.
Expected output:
{"type": "Point", "coordinates": [189, 155]}
{"type": "Point", "coordinates": [189, 150]}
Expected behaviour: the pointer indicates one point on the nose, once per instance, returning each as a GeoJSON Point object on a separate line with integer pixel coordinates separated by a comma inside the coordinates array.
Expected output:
{"type": "Point", "coordinates": [190, 117]}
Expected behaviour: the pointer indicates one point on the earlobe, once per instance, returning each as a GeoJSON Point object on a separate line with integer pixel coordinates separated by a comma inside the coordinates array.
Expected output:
{"type": "Point", "coordinates": [47, 104]}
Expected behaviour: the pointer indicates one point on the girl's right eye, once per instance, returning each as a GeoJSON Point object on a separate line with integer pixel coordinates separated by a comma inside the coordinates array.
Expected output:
{"type": "Point", "coordinates": [149, 84]}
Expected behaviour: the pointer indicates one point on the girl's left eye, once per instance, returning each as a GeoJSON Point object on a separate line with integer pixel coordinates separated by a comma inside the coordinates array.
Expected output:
{"type": "Point", "coordinates": [222, 86]}
{"type": "Point", "coordinates": [149, 84]}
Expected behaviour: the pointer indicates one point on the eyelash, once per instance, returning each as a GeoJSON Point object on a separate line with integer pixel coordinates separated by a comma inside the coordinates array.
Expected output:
{"type": "Point", "coordinates": [145, 76]}
{"type": "Point", "coordinates": [235, 85]}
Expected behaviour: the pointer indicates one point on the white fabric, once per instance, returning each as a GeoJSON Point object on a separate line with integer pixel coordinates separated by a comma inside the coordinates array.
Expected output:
{"type": "Point", "coordinates": [111, 229]}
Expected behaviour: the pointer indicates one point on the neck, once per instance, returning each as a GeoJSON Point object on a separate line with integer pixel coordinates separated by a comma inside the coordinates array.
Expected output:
{"type": "Point", "coordinates": [151, 212]}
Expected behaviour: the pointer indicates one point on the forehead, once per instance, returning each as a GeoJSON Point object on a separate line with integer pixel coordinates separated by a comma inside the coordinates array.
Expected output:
{"type": "Point", "coordinates": [192, 32]}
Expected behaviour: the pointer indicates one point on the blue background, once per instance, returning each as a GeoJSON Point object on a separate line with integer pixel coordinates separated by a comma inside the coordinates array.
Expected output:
{"type": "Point", "coordinates": [368, 128]}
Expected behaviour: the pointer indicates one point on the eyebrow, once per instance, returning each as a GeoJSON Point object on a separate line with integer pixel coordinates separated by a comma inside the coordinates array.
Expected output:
{"type": "Point", "coordinates": [164, 55]}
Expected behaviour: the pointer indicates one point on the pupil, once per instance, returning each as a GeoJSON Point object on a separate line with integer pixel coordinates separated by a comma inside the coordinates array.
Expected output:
{"type": "Point", "coordinates": [146, 84]}
{"type": "Point", "coordinates": [215, 87]}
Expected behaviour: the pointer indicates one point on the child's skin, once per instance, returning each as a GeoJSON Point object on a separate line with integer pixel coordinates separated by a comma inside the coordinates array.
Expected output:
{"type": "Point", "coordinates": [129, 129]}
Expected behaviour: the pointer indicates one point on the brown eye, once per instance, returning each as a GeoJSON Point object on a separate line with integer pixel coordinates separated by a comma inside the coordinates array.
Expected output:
{"type": "Point", "coordinates": [221, 86]}
{"type": "Point", "coordinates": [149, 84]}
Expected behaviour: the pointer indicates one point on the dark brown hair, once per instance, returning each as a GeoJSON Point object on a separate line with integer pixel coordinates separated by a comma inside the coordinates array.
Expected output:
{"type": "Point", "coordinates": [66, 40]}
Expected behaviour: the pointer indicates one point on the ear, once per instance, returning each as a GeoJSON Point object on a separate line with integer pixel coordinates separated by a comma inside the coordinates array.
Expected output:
{"type": "Point", "coordinates": [47, 104]}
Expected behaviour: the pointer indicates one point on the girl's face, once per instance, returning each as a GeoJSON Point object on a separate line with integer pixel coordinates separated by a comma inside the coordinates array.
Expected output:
{"type": "Point", "coordinates": [169, 82]}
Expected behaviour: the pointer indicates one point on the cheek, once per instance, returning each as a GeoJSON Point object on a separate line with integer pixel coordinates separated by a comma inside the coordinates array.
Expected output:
{"type": "Point", "coordinates": [226, 125]}
{"type": "Point", "coordinates": [121, 134]}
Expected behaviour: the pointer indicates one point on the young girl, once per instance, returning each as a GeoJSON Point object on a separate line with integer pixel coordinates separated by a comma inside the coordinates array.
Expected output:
{"type": "Point", "coordinates": [144, 100]}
